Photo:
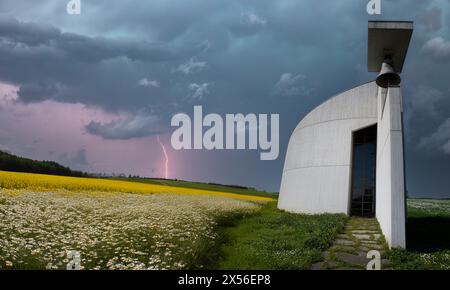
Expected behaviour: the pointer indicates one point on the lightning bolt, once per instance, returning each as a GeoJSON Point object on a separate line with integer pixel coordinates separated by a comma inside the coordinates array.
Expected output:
{"type": "Point", "coordinates": [166, 157]}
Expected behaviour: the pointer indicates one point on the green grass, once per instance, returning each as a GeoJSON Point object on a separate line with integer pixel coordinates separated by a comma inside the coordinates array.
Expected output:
{"type": "Point", "coordinates": [427, 236]}
{"type": "Point", "coordinates": [200, 185]}
{"type": "Point", "coordinates": [274, 239]}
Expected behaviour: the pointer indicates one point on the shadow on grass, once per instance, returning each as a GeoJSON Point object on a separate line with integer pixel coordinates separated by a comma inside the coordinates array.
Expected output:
{"type": "Point", "coordinates": [428, 234]}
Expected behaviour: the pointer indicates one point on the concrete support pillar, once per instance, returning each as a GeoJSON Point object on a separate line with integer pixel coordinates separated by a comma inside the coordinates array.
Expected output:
{"type": "Point", "coordinates": [390, 187]}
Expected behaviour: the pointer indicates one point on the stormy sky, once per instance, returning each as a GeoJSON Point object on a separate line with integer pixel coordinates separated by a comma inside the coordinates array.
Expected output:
{"type": "Point", "coordinates": [93, 91]}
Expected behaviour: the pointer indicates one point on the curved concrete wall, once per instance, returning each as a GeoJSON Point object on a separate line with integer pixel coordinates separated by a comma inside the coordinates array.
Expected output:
{"type": "Point", "coordinates": [317, 169]}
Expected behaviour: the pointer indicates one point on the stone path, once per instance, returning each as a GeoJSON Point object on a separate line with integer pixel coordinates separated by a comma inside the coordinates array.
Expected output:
{"type": "Point", "coordinates": [350, 248]}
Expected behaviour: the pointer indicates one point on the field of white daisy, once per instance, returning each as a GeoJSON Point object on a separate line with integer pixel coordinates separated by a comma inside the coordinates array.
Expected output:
{"type": "Point", "coordinates": [110, 230]}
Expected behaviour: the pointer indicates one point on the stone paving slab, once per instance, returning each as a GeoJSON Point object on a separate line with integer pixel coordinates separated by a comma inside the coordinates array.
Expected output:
{"type": "Point", "coordinates": [364, 232]}
{"type": "Point", "coordinates": [344, 242]}
{"type": "Point", "coordinates": [362, 236]}
{"type": "Point", "coordinates": [350, 249]}
{"type": "Point", "coordinates": [352, 259]}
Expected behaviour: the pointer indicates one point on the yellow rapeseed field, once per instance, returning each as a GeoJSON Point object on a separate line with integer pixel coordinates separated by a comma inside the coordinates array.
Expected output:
{"type": "Point", "coordinates": [12, 181]}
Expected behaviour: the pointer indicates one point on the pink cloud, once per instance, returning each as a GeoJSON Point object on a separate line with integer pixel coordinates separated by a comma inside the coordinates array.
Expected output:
{"type": "Point", "coordinates": [49, 129]}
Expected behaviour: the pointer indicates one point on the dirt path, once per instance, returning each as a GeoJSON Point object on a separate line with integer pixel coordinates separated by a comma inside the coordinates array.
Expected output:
{"type": "Point", "coordinates": [350, 248]}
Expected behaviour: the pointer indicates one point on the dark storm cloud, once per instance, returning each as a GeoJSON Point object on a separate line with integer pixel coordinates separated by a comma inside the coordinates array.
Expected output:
{"type": "Point", "coordinates": [425, 100]}
{"type": "Point", "coordinates": [438, 49]}
{"type": "Point", "coordinates": [79, 47]}
{"type": "Point", "coordinates": [40, 91]}
{"type": "Point", "coordinates": [432, 18]}
{"type": "Point", "coordinates": [141, 125]}
{"type": "Point", "coordinates": [32, 34]}
{"type": "Point", "coordinates": [249, 23]}
{"type": "Point", "coordinates": [259, 56]}
{"type": "Point", "coordinates": [291, 85]}
{"type": "Point", "coordinates": [49, 64]}
{"type": "Point", "coordinates": [439, 139]}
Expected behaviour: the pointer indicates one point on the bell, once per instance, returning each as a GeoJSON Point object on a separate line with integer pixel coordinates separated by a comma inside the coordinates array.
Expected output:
{"type": "Point", "coordinates": [387, 76]}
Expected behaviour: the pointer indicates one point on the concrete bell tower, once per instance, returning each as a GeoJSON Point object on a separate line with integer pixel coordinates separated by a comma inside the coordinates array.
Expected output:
{"type": "Point", "coordinates": [387, 47]}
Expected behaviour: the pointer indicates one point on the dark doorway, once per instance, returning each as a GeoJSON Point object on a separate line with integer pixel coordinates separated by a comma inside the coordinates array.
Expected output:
{"type": "Point", "coordinates": [364, 172]}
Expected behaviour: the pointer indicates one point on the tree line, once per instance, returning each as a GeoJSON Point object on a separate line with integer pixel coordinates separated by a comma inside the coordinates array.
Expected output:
{"type": "Point", "coordinates": [10, 162]}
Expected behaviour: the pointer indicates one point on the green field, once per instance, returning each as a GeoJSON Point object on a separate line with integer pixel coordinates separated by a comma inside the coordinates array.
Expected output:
{"type": "Point", "coordinates": [167, 224]}
{"type": "Point", "coordinates": [427, 236]}
{"type": "Point", "coordinates": [204, 186]}
{"type": "Point", "coordinates": [225, 227]}
{"type": "Point", "coordinates": [274, 239]}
